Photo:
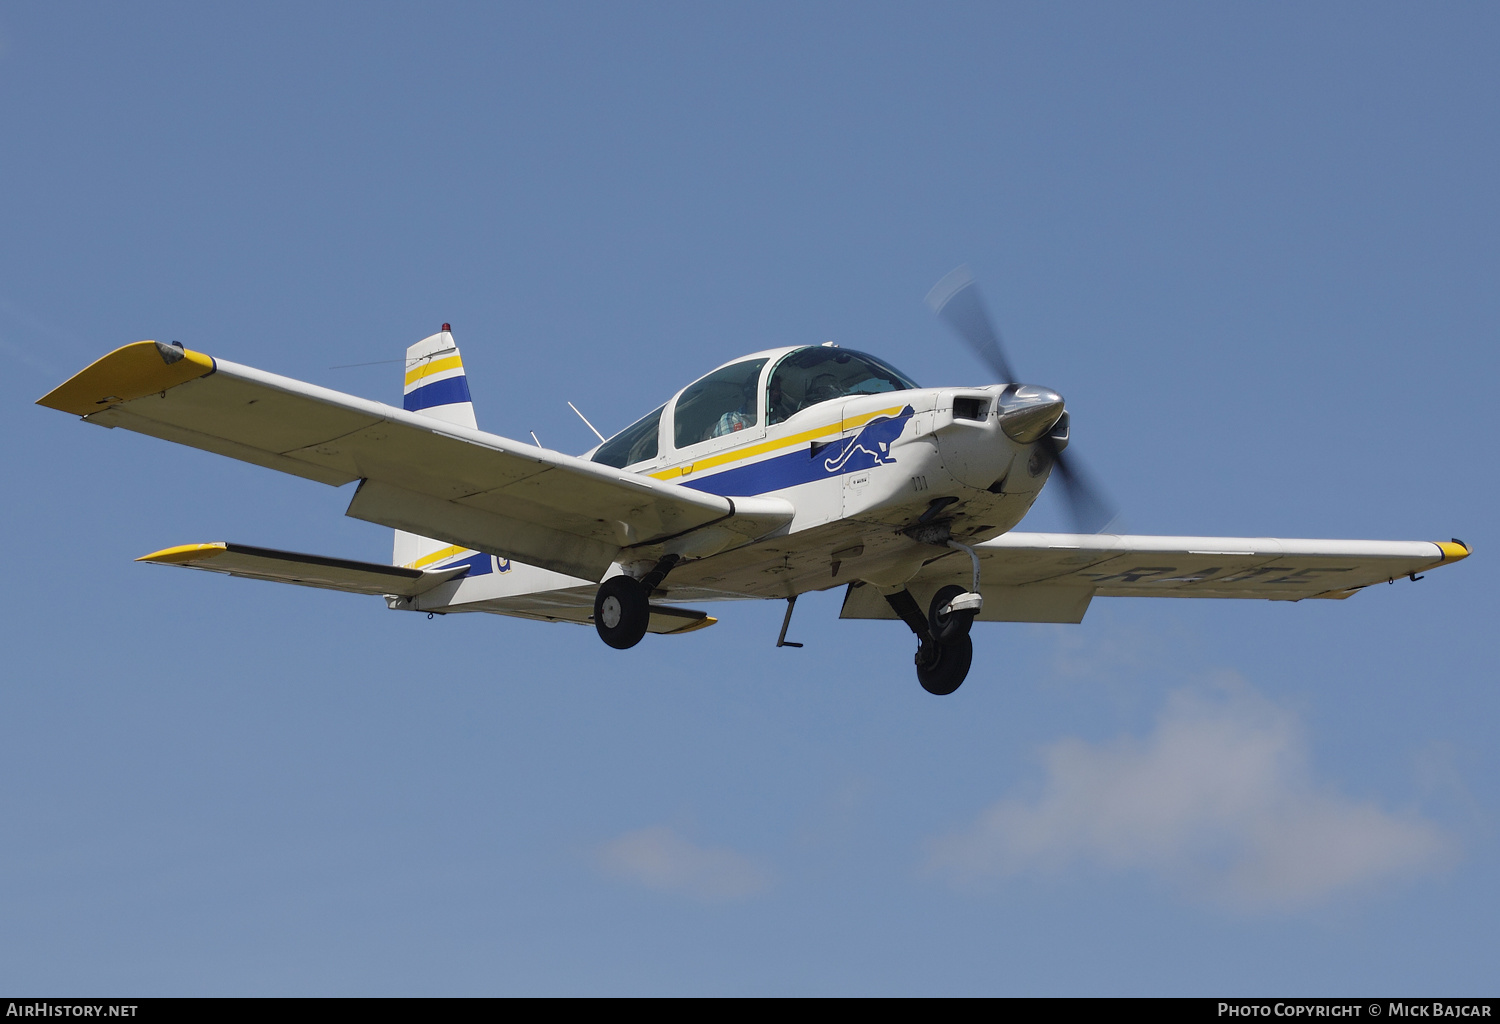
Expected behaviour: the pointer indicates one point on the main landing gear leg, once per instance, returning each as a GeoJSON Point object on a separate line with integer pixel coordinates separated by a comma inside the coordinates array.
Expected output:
{"type": "Point", "coordinates": [944, 654]}
{"type": "Point", "coordinates": [622, 607]}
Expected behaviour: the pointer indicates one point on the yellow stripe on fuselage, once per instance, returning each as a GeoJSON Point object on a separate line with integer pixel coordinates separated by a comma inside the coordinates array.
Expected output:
{"type": "Point", "coordinates": [436, 366]}
{"type": "Point", "coordinates": [737, 454]}
{"type": "Point", "coordinates": [437, 556]}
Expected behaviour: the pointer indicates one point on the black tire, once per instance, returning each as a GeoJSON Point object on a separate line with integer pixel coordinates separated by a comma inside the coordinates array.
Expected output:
{"type": "Point", "coordinates": [941, 668]}
{"type": "Point", "coordinates": [621, 612]}
{"type": "Point", "coordinates": [947, 628]}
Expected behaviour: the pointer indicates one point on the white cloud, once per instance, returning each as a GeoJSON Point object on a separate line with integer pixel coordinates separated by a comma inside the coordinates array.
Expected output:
{"type": "Point", "coordinates": [658, 858]}
{"type": "Point", "coordinates": [1220, 798]}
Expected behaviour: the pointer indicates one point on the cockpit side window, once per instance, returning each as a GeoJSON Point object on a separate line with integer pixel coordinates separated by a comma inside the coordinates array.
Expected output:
{"type": "Point", "coordinates": [809, 376]}
{"type": "Point", "coordinates": [636, 443]}
{"type": "Point", "coordinates": [725, 401]}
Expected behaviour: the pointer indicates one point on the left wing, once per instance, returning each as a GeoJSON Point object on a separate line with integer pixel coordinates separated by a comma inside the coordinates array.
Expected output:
{"type": "Point", "coordinates": [402, 587]}
{"type": "Point", "coordinates": [305, 570]}
{"type": "Point", "coordinates": [417, 473]}
{"type": "Point", "coordinates": [1052, 577]}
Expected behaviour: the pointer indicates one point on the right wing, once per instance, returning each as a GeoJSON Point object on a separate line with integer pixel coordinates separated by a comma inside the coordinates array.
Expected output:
{"type": "Point", "coordinates": [1052, 577]}
{"type": "Point", "coordinates": [417, 473]}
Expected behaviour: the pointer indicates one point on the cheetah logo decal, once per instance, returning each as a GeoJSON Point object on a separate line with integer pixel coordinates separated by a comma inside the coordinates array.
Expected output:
{"type": "Point", "coordinates": [871, 446]}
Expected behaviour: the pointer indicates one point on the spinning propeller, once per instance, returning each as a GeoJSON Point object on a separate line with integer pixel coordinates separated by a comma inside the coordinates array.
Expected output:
{"type": "Point", "coordinates": [955, 299]}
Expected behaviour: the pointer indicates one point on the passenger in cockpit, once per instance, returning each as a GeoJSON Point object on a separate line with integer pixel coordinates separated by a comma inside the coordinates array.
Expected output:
{"type": "Point", "coordinates": [744, 416]}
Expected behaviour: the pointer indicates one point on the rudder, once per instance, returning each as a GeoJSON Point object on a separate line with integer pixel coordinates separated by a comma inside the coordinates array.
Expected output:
{"type": "Point", "coordinates": [437, 386]}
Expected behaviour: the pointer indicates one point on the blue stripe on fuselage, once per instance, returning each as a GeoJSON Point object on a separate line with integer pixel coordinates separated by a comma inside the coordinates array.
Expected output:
{"type": "Point", "coordinates": [442, 392]}
{"type": "Point", "coordinates": [798, 467]}
{"type": "Point", "coordinates": [866, 449]}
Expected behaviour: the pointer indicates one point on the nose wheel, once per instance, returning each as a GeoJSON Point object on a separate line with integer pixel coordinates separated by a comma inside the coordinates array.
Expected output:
{"type": "Point", "coordinates": [951, 613]}
{"type": "Point", "coordinates": [944, 650]}
{"type": "Point", "coordinates": [941, 667]}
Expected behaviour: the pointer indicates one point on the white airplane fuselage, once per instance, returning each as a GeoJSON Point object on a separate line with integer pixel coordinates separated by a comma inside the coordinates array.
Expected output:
{"type": "Point", "coordinates": [859, 470]}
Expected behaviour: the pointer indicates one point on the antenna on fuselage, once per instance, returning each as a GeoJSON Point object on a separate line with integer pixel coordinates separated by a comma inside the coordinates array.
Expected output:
{"type": "Point", "coordinates": [535, 438]}
{"type": "Point", "coordinates": [586, 423]}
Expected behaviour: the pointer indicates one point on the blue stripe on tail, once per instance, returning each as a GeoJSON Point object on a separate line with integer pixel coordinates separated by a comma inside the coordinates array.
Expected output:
{"type": "Point", "coordinates": [443, 392]}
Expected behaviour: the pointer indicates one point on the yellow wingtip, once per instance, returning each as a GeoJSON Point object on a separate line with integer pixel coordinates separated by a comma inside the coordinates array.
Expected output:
{"type": "Point", "coordinates": [703, 623]}
{"type": "Point", "coordinates": [1453, 551]}
{"type": "Point", "coordinates": [184, 553]}
{"type": "Point", "coordinates": [129, 372]}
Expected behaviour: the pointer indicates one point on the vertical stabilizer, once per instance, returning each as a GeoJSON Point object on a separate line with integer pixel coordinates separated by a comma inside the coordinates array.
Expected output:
{"type": "Point", "coordinates": [435, 382]}
{"type": "Point", "coordinates": [436, 386]}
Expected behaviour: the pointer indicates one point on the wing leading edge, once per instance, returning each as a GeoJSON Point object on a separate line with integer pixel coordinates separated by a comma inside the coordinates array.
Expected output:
{"type": "Point", "coordinates": [1052, 577]}
{"type": "Point", "coordinates": [417, 474]}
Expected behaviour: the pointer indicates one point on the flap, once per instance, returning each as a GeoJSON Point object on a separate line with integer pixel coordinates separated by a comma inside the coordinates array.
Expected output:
{"type": "Point", "coordinates": [1001, 603]}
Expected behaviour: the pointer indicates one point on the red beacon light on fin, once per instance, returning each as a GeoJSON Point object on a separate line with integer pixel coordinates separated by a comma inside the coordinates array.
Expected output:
{"type": "Point", "coordinates": [447, 328]}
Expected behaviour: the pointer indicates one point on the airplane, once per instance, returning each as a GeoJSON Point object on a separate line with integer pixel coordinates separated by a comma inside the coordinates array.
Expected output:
{"type": "Point", "coordinates": [785, 471]}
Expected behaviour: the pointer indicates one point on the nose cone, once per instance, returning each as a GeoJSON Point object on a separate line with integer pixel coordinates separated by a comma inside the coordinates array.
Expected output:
{"type": "Point", "coordinates": [1027, 412]}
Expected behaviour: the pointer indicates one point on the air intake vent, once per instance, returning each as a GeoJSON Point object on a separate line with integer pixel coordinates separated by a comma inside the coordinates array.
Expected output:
{"type": "Point", "coordinates": [971, 409]}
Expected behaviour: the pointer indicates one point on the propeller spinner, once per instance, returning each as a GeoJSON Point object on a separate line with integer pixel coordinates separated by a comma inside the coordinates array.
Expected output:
{"type": "Point", "coordinates": [1027, 413]}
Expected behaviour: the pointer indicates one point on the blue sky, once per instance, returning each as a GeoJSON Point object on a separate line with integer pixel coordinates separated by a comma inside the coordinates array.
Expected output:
{"type": "Point", "coordinates": [1255, 247]}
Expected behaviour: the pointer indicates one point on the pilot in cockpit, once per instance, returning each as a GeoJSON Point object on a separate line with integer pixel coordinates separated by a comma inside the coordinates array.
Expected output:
{"type": "Point", "coordinates": [778, 406]}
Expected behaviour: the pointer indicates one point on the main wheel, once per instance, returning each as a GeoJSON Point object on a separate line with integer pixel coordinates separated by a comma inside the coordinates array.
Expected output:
{"type": "Point", "coordinates": [621, 612]}
{"type": "Point", "coordinates": [941, 668]}
{"type": "Point", "coordinates": [947, 628]}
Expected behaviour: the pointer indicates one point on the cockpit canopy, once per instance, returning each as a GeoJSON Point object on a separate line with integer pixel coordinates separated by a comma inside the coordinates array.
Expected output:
{"type": "Point", "coordinates": [736, 397]}
{"type": "Point", "coordinates": [808, 376]}
{"type": "Point", "coordinates": [724, 402]}
{"type": "Point", "coordinates": [636, 443]}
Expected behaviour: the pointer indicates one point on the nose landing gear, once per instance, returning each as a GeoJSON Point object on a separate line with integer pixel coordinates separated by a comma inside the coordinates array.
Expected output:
{"type": "Point", "coordinates": [941, 667]}
{"type": "Point", "coordinates": [944, 650]}
{"type": "Point", "coordinates": [952, 612]}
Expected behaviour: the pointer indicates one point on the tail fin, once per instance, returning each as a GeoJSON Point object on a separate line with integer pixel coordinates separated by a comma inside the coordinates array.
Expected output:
{"type": "Point", "coordinates": [436, 386]}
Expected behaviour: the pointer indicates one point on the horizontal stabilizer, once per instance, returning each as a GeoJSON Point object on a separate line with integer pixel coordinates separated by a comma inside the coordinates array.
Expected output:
{"type": "Point", "coordinates": [305, 570]}
{"type": "Point", "coordinates": [667, 620]}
